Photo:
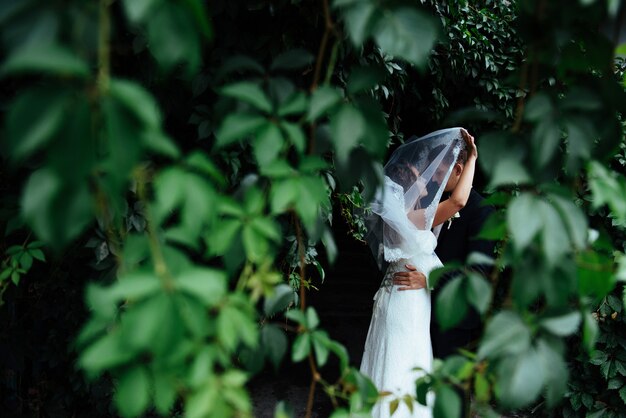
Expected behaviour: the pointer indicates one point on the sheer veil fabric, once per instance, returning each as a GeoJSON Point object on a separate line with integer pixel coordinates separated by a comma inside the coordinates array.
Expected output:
{"type": "Point", "coordinates": [398, 348]}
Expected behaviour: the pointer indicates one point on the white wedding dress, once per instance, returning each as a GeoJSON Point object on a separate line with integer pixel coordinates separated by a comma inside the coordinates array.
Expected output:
{"type": "Point", "coordinates": [398, 347]}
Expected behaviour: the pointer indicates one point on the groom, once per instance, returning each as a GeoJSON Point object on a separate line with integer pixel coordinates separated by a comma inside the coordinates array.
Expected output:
{"type": "Point", "coordinates": [456, 240]}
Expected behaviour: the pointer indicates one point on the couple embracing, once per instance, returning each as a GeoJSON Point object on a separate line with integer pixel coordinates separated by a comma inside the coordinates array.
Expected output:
{"type": "Point", "coordinates": [423, 215]}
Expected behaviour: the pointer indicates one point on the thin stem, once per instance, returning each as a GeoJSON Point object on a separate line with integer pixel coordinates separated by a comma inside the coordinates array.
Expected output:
{"type": "Point", "coordinates": [332, 61]}
{"type": "Point", "coordinates": [328, 28]}
{"type": "Point", "coordinates": [314, 378]}
{"type": "Point", "coordinates": [104, 34]}
{"type": "Point", "coordinates": [160, 266]}
{"type": "Point", "coordinates": [300, 239]}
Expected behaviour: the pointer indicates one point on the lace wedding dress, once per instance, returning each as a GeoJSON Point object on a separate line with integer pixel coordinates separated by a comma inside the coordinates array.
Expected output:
{"type": "Point", "coordinates": [398, 347]}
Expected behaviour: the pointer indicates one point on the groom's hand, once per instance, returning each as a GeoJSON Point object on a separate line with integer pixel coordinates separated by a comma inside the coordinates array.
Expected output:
{"type": "Point", "coordinates": [411, 280]}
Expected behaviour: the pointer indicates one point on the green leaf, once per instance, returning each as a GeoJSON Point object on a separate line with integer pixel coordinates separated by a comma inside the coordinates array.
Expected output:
{"type": "Point", "coordinates": [545, 140]}
{"type": "Point", "coordinates": [447, 403]}
{"type": "Point", "coordinates": [133, 392]}
{"type": "Point", "coordinates": [106, 353]}
{"type": "Point", "coordinates": [237, 126]}
{"type": "Point", "coordinates": [297, 316]}
{"type": "Point", "coordinates": [173, 37]}
{"type": "Point", "coordinates": [320, 341]}
{"type": "Point", "coordinates": [136, 285]}
{"type": "Point", "coordinates": [364, 79]}
{"type": "Point", "coordinates": [141, 322]}
{"type": "Point", "coordinates": [292, 60]}
{"type": "Point", "coordinates": [301, 347]}
{"type": "Point", "coordinates": [283, 194]}
{"type": "Point", "coordinates": [56, 211]}
{"type": "Point", "coordinates": [138, 101]}
{"type": "Point", "coordinates": [329, 245]}
{"type": "Point", "coordinates": [33, 120]}
{"type": "Point", "coordinates": [159, 143]}
{"type": "Point", "coordinates": [138, 10]}
{"type": "Point", "coordinates": [250, 93]}
{"type": "Point", "coordinates": [295, 134]}
{"type": "Point", "coordinates": [563, 325]}
{"type": "Point", "coordinates": [554, 234]}
{"type": "Point", "coordinates": [37, 254]}
{"type": "Point", "coordinates": [451, 304]}
{"type": "Point", "coordinates": [164, 393]}
{"type": "Point", "coordinates": [481, 388]}
{"type": "Point", "coordinates": [590, 332]}
{"type": "Point", "coordinates": [322, 101]}
{"type": "Point", "coordinates": [520, 378]}
{"type": "Point", "coordinates": [268, 143]}
{"type": "Point", "coordinates": [574, 218]}
{"type": "Point", "coordinates": [595, 274]}
{"type": "Point", "coordinates": [341, 353]}
{"type": "Point", "coordinates": [347, 128]}
{"type": "Point", "coordinates": [478, 292]}
{"type": "Point", "coordinates": [26, 261]}
{"type": "Point", "coordinates": [581, 136]}
{"type": "Point", "coordinates": [199, 12]}
{"type": "Point", "coordinates": [295, 104]}
{"type": "Point", "coordinates": [523, 221]}
{"type": "Point", "coordinates": [555, 370]}
{"type": "Point", "coordinates": [267, 227]}
{"type": "Point", "coordinates": [239, 63]}
{"type": "Point", "coordinates": [283, 295]}
{"type": "Point", "coordinates": [235, 325]}
{"type": "Point", "coordinates": [359, 17]}
{"type": "Point", "coordinates": [538, 107]}
{"type": "Point", "coordinates": [505, 334]}
{"type": "Point", "coordinates": [406, 33]}
{"type": "Point", "coordinates": [43, 58]}
{"type": "Point", "coordinates": [275, 342]}
{"type": "Point", "coordinates": [312, 320]}
{"type": "Point", "coordinates": [208, 285]}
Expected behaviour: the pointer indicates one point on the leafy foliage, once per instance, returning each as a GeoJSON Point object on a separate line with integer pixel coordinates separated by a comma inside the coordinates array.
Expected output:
{"type": "Point", "coordinates": [190, 226]}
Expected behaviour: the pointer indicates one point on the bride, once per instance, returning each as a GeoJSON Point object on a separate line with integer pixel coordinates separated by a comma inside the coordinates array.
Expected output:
{"type": "Point", "coordinates": [405, 209]}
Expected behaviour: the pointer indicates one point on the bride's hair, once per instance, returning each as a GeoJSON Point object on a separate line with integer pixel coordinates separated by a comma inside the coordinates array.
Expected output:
{"type": "Point", "coordinates": [402, 174]}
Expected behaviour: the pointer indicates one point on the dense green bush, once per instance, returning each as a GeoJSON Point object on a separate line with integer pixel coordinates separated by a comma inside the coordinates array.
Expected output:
{"type": "Point", "coordinates": [196, 148]}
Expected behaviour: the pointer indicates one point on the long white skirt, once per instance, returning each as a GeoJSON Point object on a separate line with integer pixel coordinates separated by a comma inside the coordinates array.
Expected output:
{"type": "Point", "coordinates": [398, 348]}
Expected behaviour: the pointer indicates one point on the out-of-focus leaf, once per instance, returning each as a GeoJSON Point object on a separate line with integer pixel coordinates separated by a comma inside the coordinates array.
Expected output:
{"type": "Point", "coordinates": [283, 296]}
{"type": "Point", "coordinates": [347, 127]}
{"type": "Point", "coordinates": [447, 403]}
{"type": "Point", "coordinates": [237, 126]}
{"type": "Point", "coordinates": [364, 78]}
{"type": "Point", "coordinates": [451, 304]}
{"type": "Point", "coordinates": [208, 285]}
{"type": "Point", "coordinates": [301, 347]}
{"type": "Point", "coordinates": [275, 342]}
{"type": "Point", "coordinates": [521, 378]}
{"type": "Point", "coordinates": [563, 325]}
{"type": "Point", "coordinates": [133, 392]}
{"type": "Point", "coordinates": [556, 373]}
{"type": "Point", "coordinates": [33, 120]}
{"type": "Point", "coordinates": [359, 17]}
{"type": "Point", "coordinates": [478, 292]}
{"type": "Point", "coordinates": [406, 33]}
{"type": "Point", "coordinates": [250, 93]}
{"type": "Point", "coordinates": [292, 60]}
{"type": "Point", "coordinates": [323, 99]}
{"type": "Point", "coordinates": [138, 10]}
{"type": "Point", "coordinates": [45, 58]}
{"type": "Point", "coordinates": [138, 101]}
{"type": "Point", "coordinates": [505, 334]}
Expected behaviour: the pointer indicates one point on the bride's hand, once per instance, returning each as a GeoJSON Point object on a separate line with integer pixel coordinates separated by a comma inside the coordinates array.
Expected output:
{"type": "Point", "coordinates": [471, 145]}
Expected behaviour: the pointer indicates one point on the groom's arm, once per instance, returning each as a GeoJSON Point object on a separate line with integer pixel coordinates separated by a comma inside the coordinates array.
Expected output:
{"type": "Point", "coordinates": [411, 280]}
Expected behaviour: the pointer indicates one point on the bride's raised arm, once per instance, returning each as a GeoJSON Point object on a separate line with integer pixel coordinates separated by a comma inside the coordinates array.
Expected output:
{"type": "Point", "coordinates": [461, 192]}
